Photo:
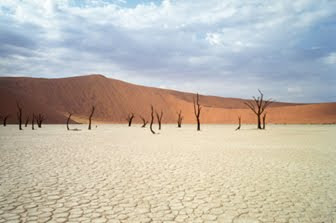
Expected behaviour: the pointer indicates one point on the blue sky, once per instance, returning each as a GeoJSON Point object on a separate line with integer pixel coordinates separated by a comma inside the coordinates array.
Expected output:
{"type": "Point", "coordinates": [122, 3]}
{"type": "Point", "coordinates": [228, 48]}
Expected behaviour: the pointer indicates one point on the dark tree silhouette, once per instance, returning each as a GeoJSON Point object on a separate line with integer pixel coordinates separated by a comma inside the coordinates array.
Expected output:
{"type": "Point", "coordinates": [27, 121]}
{"type": "Point", "coordinates": [239, 123]}
{"type": "Point", "coordinates": [152, 120]}
{"type": "Point", "coordinates": [33, 121]}
{"type": "Point", "coordinates": [264, 121]}
{"type": "Point", "coordinates": [90, 117]}
{"type": "Point", "coordinates": [19, 115]}
{"type": "Point", "coordinates": [179, 119]}
{"type": "Point", "coordinates": [39, 119]}
{"type": "Point", "coordinates": [144, 122]}
{"type": "Point", "coordinates": [197, 111]}
{"type": "Point", "coordinates": [68, 120]}
{"type": "Point", "coordinates": [258, 106]}
{"type": "Point", "coordinates": [130, 119]}
{"type": "Point", "coordinates": [5, 120]}
{"type": "Point", "coordinates": [159, 118]}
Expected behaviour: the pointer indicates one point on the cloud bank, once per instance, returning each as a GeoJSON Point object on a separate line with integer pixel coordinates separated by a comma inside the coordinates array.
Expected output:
{"type": "Point", "coordinates": [226, 48]}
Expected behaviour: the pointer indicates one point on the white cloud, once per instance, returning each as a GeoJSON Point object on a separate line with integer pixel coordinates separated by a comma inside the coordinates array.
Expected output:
{"type": "Point", "coordinates": [209, 41]}
{"type": "Point", "coordinates": [214, 38]}
{"type": "Point", "coordinates": [330, 59]}
{"type": "Point", "coordinates": [294, 90]}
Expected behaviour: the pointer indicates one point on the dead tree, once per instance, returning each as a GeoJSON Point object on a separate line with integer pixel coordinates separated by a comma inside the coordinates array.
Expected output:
{"type": "Point", "coordinates": [33, 121]}
{"type": "Point", "coordinates": [152, 119]}
{"type": "Point", "coordinates": [179, 119]}
{"type": "Point", "coordinates": [258, 106]}
{"type": "Point", "coordinates": [19, 115]}
{"type": "Point", "coordinates": [239, 123]}
{"type": "Point", "coordinates": [144, 122]}
{"type": "Point", "coordinates": [197, 111]}
{"type": "Point", "coordinates": [27, 121]}
{"type": "Point", "coordinates": [264, 121]}
{"type": "Point", "coordinates": [90, 117]}
{"type": "Point", "coordinates": [130, 119]}
{"type": "Point", "coordinates": [5, 120]}
{"type": "Point", "coordinates": [68, 120]}
{"type": "Point", "coordinates": [159, 118]}
{"type": "Point", "coordinates": [39, 120]}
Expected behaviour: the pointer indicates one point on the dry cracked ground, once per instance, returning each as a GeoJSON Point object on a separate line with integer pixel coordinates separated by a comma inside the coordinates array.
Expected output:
{"type": "Point", "coordinates": [118, 174]}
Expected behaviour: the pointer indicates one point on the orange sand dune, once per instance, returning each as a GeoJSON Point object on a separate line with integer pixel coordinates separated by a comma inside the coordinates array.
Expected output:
{"type": "Point", "coordinates": [114, 99]}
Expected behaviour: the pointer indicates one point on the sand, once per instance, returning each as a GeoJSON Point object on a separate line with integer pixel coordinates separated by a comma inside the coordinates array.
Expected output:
{"type": "Point", "coordinates": [115, 99]}
{"type": "Point", "coordinates": [120, 174]}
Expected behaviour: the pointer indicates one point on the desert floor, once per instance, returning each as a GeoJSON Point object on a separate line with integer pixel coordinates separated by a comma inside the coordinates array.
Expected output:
{"type": "Point", "coordinates": [118, 174]}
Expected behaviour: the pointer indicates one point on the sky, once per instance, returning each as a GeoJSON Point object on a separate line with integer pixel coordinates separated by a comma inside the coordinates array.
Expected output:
{"type": "Point", "coordinates": [227, 48]}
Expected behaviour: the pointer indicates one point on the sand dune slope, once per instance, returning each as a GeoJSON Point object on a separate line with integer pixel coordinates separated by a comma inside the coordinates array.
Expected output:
{"type": "Point", "coordinates": [114, 99]}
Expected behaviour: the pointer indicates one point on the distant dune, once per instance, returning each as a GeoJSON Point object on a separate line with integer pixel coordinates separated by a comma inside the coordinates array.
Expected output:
{"type": "Point", "coordinates": [114, 99]}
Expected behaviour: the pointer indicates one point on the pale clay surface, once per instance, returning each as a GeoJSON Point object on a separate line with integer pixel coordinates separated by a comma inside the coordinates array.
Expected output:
{"type": "Point", "coordinates": [120, 174]}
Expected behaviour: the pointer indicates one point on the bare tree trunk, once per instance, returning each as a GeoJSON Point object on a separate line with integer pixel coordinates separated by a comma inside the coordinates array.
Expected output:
{"type": "Point", "coordinates": [179, 119]}
{"type": "Point", "coordinates": [259, 106]}
{"type": "Point", "coordinates": [5, 120]}
{"type": "Point", "coordinates": [264, 121]}
{"type": "Point", "coordinates": [130, 119]}
{"type": "Point", "coordinates": [27, 121]}
{"type": "Point", "coordinates": [259, 121]}
{"type": "Point", "coordinates": [239, 123]}
{"type": "Point", "coordinates": [90, 117]}
{"type": "Point", "coordinates": [39, 120]}
{"type": "Point", "coordinates": [33, 121]}
{"type": "Point", "coordinates": [144, 122]}
{"type": "Point", "coordinates": [197, 111]}
{"type": "Point", "coordinates": [159, 118]}
{"type": "Point", "coordinates": [198, 125]}
{"type": "Point", "coordinates": [152, 119]}
{"type": "Point", "coordinates": [19, 115]}
{"type": "Point", "coordinates": [68, 120]}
